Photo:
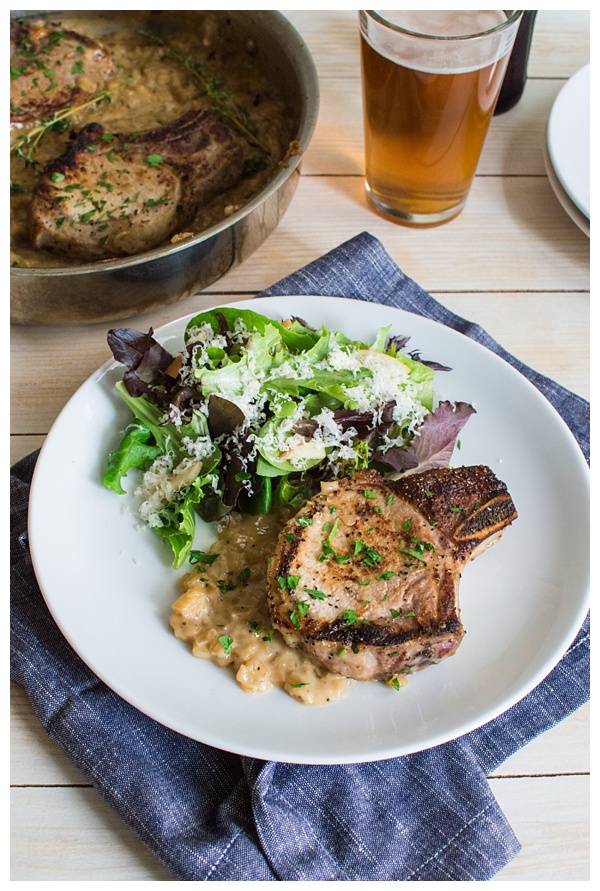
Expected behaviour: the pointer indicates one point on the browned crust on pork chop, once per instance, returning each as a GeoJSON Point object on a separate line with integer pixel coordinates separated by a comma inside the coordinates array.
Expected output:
{"type": "Point", "coordinates": [470, 505]}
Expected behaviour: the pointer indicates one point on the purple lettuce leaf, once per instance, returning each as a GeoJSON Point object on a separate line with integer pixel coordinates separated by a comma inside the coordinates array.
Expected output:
{"type": "Point", "coordinates": [134, 349]}
{"type": "Point", "coordinates": [400, 341]}
{"type": "Point", "coordinates": [146, 362]}
{"type": "Point", "coordinates": [364, 423]}
{"type": "Point", "coordinates": [433, 443]}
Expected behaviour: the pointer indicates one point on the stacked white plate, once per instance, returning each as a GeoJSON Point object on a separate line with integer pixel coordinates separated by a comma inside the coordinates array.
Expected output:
{"type": "Point", "coordinates": [567, 154]}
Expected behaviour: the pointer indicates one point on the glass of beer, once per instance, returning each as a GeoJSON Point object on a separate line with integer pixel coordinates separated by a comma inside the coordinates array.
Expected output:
{"type": "Point", "coordinates": [431, 81]}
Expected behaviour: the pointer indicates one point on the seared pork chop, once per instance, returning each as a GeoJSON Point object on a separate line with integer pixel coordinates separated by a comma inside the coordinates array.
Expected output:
{"type": "Point", "coordinates": [52, 67]}
{"type": "Point", "coordinates": [118, 194]}
{"type": "Point", "coordinates": [365, 577]}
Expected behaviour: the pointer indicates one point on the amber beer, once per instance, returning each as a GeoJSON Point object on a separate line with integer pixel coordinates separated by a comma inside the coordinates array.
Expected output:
{"type": "Point", "coordinates": [429, 94]}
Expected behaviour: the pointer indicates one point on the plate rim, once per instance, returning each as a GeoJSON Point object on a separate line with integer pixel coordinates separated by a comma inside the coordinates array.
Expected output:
{"type": "Point", "coordinates": [569, 206]}
{"type": "Point", "coordinates": [582, 76]}
{"type": "Point", "coordinates": [175, 328]}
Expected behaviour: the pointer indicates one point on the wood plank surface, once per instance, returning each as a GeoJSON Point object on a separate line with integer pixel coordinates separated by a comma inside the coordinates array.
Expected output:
{"type": "Point", "coordinates": [513, 262]}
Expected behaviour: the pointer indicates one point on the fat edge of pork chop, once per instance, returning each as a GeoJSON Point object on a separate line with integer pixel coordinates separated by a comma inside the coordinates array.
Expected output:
{"type": "Point", "coordinates": [52, 67]}
{"type": "Point", "coordinates": [365, 578]}
{"type": "Point", "coordinates": [117, 194]}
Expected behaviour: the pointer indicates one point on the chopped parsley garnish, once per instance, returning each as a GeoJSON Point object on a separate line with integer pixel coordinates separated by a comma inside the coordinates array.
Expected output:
{"type": "Point", "coordinates": [288, 581]}
{"type": "Point", "coordinates": [227, 643]}
{"type": "Point", "coordinates": [258, 630]}
{"type": "Point", "coordinates": [316, 595]}
{"type": "Point", "coordinates": [201, 557]}
{"type": "Point", "coordinates": [413, 552]}
{"type": "Point", "coordinates": [369, 556]}
{"type": "Point", "coordinates": [418, 551]}
{"type": "Point", "coordinates": [331, 529]}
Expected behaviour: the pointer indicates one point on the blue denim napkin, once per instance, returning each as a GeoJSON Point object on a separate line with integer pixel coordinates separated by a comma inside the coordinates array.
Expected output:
{"type": "Point", "coordinates": [212, 816]}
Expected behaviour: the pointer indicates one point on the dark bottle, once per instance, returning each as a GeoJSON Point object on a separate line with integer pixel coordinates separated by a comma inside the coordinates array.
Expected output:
{"type": "Point", "coordinates": [516, 73]}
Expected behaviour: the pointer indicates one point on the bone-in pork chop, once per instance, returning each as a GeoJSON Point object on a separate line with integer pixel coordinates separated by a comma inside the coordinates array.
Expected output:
{"type": "Point", "coordinates": [118, 194]}
{"type": "Point", "coordinates": [52, 67]}
{"type": "Point", "coordinates": [365, 577]}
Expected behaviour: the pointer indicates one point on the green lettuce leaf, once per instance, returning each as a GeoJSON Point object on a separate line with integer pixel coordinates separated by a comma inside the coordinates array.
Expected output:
{"type": "Point", "coordinates": [151, 416]}
{"type": "Point", "coordinates": [179, 521]}
{"type": "Point", "coordinates": [135, 451]}
{"type": "Point", "coordinates": [423, 377]}
{"type": "Point", "coordinates": [297, 337]}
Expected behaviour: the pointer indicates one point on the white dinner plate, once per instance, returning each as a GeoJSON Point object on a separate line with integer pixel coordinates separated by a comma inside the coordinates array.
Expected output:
{"type": "Point", "coordinates": [109, 584]}
{"type": "Point", "coordinates": [568, 139]}
{"type": "Point", "coordinates": [568, 206]}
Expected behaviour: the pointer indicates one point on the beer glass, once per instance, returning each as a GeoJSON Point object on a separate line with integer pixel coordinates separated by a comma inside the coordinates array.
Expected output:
{"type": "Point", "coordinates": [431, 81]}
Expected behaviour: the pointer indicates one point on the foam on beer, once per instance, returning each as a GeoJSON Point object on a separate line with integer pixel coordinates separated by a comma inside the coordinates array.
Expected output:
{"type": "Point", "coordinates": [434, 52]}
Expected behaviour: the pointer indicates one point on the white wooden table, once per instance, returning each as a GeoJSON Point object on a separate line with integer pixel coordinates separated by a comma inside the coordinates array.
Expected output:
{"type": "Point", "coordinates": [512, 261]}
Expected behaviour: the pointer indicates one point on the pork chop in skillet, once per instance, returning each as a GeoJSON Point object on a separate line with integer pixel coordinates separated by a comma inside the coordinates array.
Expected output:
{"type": "Point", "coordinates": [52, 67]}
{"type": "Point", "coordinates": [118, 194]}
{"type": "Point", "coordinates": [365, 577]}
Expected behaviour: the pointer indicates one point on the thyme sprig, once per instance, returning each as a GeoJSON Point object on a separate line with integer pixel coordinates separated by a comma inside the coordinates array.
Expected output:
{"type": "Point", "coordinates": [26, 145]}
{"type": "Point", "coordinates": [221, 101]}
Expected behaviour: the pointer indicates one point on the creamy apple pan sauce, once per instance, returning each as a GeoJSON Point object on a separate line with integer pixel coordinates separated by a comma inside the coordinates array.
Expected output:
{"type": "Point", "coordinates": [224, 615]}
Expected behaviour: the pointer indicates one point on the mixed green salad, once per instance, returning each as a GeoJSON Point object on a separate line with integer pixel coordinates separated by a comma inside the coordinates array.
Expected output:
{"type": "Point", "coordinates": [254, 414]}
